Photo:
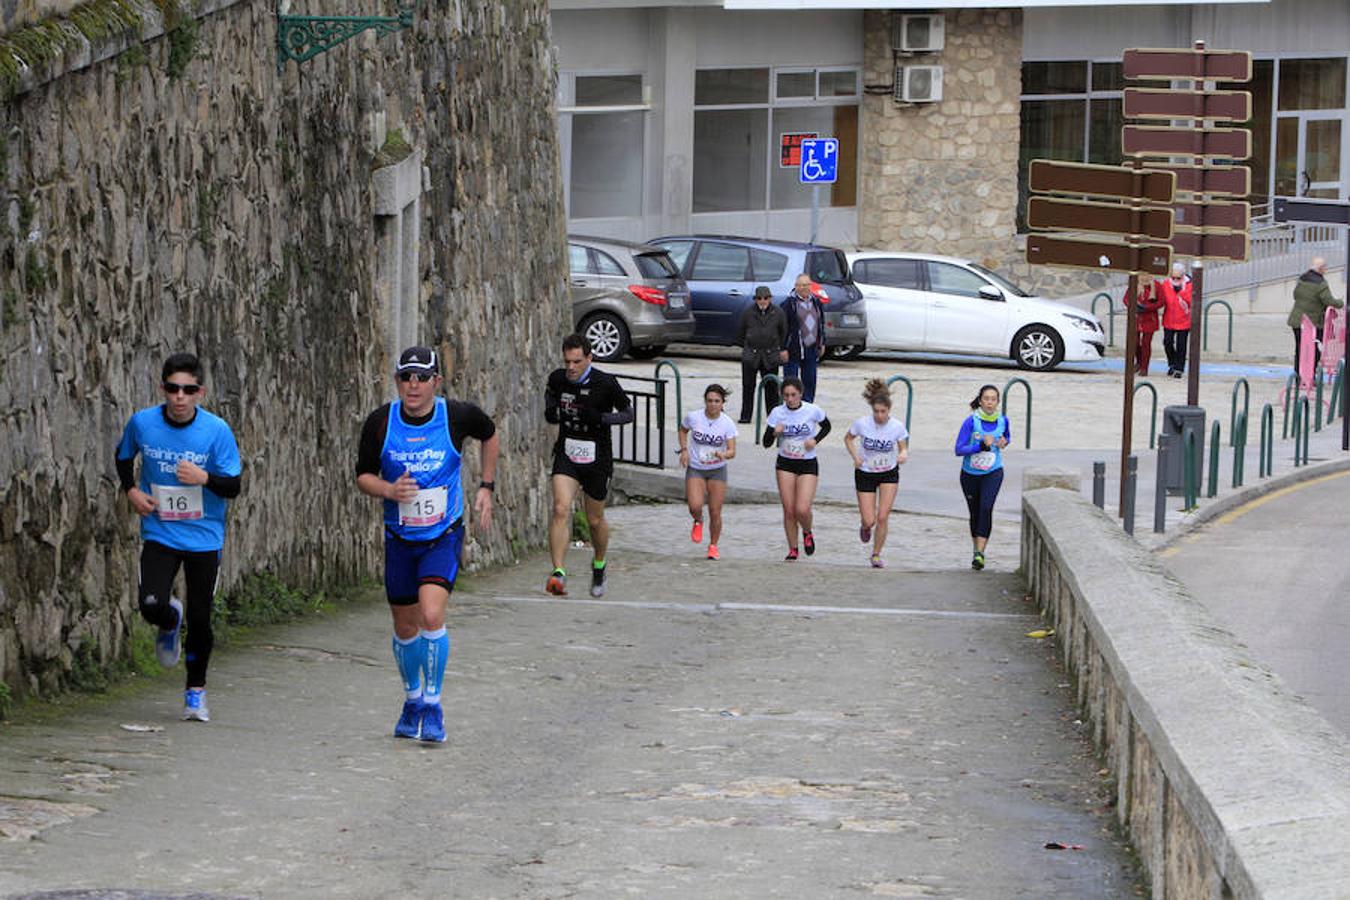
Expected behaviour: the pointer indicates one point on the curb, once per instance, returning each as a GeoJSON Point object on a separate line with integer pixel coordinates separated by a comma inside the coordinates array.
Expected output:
{"type": "Point", "coordinates": [1244, 495]}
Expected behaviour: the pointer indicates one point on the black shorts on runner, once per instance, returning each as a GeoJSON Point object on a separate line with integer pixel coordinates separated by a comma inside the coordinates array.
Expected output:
{"type": "Point", "coordinates": [594, 479]}
{"type": "Point", "coordinates": [798, 466]}
{"type": "Point", "coordinates": [866, 482]}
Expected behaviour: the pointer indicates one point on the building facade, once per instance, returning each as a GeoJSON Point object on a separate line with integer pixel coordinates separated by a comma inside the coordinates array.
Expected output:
{"type": "Point", "coordinates": [673, 115]}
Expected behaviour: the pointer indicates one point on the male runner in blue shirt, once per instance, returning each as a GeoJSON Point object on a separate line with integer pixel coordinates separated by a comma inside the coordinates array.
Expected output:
{"type": "Point", "coordinates": [409, 458]}
{"type": "Point", "coordinates": [189, 468]}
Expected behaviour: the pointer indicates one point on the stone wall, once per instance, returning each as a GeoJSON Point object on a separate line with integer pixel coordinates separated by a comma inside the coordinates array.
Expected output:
{"type": "Point", "coordinates": [166, 189]}
{"type": "Point", "coordinates": [942, 177]}
{"type": "Point", "coordinates": [1228, 785]}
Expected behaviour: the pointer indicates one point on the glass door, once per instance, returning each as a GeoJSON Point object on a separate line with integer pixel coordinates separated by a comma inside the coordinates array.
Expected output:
{"type": "Point", "coordinates": [1308, 155]}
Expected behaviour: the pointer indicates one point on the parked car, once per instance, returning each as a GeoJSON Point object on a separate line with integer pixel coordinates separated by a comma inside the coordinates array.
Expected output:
{"type": "Point", "coordinates": [939, 303]}
{"type": "Point", "coordinates": [626, 297]}
{"type": "Point", "coordinates": [722, 273]}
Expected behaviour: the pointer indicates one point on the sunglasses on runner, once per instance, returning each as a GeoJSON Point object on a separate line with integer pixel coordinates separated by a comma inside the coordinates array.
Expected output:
{"type": "Point", "coordinates": [416, 376]}
{"type": "Point", "coordinates": [189, 389]}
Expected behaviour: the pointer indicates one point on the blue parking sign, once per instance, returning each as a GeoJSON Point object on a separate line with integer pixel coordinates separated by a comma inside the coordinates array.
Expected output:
{"type": "Point", "coordinates": [820, 161]}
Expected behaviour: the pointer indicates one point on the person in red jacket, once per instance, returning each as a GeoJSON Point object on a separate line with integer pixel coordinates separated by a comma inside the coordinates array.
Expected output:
{"type": "Point", "coordinates": [1146, 322]}
{"type": "Point", "coordinates": [1175, 294]}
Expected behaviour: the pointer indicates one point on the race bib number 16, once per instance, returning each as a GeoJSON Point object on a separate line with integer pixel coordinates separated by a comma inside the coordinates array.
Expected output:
{"type": "Point", "coordinates": [176, 504]}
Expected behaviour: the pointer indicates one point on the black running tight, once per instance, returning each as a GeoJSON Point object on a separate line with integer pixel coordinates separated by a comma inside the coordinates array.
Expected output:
{"type": "Point", "coordinates": [159, 567]}
{"type": "Point", "coordinates": [981, 491]}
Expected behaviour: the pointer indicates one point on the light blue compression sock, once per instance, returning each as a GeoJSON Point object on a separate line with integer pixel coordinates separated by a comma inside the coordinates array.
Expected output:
{"type": "Point", "coordinates": [410, 655]}
{"type": "Point", "coordinates": [435, 652]}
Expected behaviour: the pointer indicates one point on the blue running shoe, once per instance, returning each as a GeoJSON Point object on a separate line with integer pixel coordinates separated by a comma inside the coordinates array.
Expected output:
{"type": "Point", "coordinates": [168, 647]}
{"type": "Point", "coordinates": [410, 722]}
{"type": "Point", "coordinates": [194, 706]}
{"type": "Point", "coordinates": [433, 723]}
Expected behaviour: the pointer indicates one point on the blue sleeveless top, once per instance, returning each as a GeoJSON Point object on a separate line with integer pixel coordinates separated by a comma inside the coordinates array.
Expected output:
{"type": "Point", "coordinates": [428, 454]}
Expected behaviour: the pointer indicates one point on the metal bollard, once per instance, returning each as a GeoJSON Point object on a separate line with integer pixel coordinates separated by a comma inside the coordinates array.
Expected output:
{"type": "Point", "coordinates": [1290, 400]}
{"type": "Point", "coordinates": [1317, 417]}
{"type": "Point", "coordinates": [1131, 483]}
{"type": "Point", "coordinates": [1213, 460]}
{"type": "Point", "coordinates": [1301, 431]}
{"type": "Point", "coordinates": [1239, 449]}
{"type": "Point", "coordinates": [1099, 485]}
{"type": "Point", "coordinates": [1160, 484]}
{"type": "Point", "coordinates": [1190, 470]}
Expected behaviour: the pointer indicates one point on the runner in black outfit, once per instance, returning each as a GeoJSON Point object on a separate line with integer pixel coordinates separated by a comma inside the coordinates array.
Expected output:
{"type": "Point", "coordinates": [583, 402]}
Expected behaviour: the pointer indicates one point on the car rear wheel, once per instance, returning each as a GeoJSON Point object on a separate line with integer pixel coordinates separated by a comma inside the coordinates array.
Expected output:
{"type": "Point", "coordinates": [1038, 348]}
{"type": "Point", "coordinates": [608, 336]}
{"type": "Point", "coordinates": [651, 352]}
{"type": "Point", "coordinates": [845, 351]}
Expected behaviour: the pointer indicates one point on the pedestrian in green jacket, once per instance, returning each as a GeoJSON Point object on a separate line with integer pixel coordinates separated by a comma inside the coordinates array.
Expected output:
{"type": "Point", "coordinates": [1312, 298]}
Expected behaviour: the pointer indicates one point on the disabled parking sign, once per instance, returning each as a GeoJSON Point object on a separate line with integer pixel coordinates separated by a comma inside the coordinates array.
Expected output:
{"type": "Point", "coordinates": [820, 161]}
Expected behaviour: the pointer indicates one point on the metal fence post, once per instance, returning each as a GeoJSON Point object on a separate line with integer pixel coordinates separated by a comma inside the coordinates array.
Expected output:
{"type": "Point", "coordinates": [909, 395]}
{"type": "Point", "coordinates": [679, 397]}
{"type": "Point", "coordinates": [1239, 449]}
{"type": "Point", "coordinates": [1027, 388]}
{"type": "Point", "coordinates": [1160, 485]}
{"type": "Point", "coordinates": [759, 400]}
{"type": "Point", "coordinates": [1301, 431]}
{"type": "Point", "coordinates": [1232, 407]}
{"type": "Point", "coordinates": [1336, 384]}
{"type": "Point", "coordinates": [1290, 400]}
{"type": "Point", "coordinates": [1153, 414]}
{"type": "Point", "coordinates": [1190, 470]}
{"type": "Point", "coordinates": [1131, 485]}
{"type": "Point", "coordinates": [1317, 413]}
{"type": "Point", "coordinates": [1110, 316]}
{"type": "Point", "coordinates": [1204, 323]}
{"type": "Point", "coordinates": [1099, 484]}
{"type": "Point", "coordinates": [1213, 460]}
{"type": "Point", "coordinates": [1266, 461]}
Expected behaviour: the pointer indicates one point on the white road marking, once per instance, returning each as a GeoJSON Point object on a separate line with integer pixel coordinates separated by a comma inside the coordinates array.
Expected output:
{"type": "Point", "coordinates": [748, 607]}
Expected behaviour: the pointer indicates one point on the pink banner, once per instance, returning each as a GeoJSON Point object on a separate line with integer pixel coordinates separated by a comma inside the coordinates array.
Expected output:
{"type": "Point", "coordinates": [1333, 342]}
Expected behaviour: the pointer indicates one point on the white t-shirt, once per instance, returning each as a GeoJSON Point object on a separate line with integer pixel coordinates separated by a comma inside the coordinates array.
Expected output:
{"type": "Point", "coordinates": [799, 425]}
{"type": "Point", "coordinates": [879, 444]}
{"type": "Point", "coordinates": [706, 437]}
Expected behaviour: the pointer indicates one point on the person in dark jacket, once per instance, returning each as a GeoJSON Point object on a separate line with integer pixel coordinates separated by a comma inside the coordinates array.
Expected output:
{"type": "Point", "coordinates": [762, 332]}
{"type": "Point", "coordinates": [805, 342]}
{"type": "Point", "coordinates": [1312, 298]}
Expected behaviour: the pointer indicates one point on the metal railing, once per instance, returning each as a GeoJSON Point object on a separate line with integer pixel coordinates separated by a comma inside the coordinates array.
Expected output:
{"type": "Point", "coordinates": [1027, 388]}
{"type": "Point", "coordinates": [642, 441]}
{"type": "Point", "coordinates": [1204, 323]}
{"type": "Point", "coordinates": [1265, 465]}
{"type": "Point", "coordinates": [909, 395]}
{"type": "Point", "coordinates": [1110, 316]}
{"type": "Point", "coordinates": [1279, 251]}
{"type": "Point", "coordinates": [760, 411]}
{"type": "Point", "coordinates": [1153, 415]}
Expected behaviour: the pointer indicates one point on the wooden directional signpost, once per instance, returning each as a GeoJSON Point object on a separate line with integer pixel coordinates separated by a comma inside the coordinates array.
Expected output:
{"type": "Point", "coordinates": [1203, 229]}
{"type": "Point", "coordinates": [1137, 206]}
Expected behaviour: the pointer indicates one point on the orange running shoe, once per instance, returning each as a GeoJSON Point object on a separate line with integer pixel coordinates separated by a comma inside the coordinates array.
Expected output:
{"type": "Point", "coordinates": [557, 583]}
{"type": "Point", "coordinates": [696, 533]}
{"type": "Point", "coordinates": [713, 552]}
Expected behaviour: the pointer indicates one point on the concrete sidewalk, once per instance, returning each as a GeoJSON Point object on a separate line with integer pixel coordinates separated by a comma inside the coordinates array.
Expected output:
{"type": "Point", "coordinates": [743, 728]}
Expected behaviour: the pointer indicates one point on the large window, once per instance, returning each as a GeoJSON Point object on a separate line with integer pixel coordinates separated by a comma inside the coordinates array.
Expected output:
{"type": "Point", "coordinates": [1071, 111]}
{"type": "Point", "coordinates": [740, 116]}
{"type": "Point", "coordinates": [605, 117]}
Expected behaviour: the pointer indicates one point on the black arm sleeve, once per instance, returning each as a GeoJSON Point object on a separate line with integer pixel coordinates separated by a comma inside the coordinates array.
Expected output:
{"type": "Point", "coordinates": [126, 473]}
{"type": "Point", "coordinates": [824, 430]}
{"type": "Point", "coordinates": [550, 406]}
{"type": "Point", "coordinates": [768, 437]}
{"type": "Point", "coordinates": [226, 486]}
{"type": "Point", "coordinates": [468, 420]}
{"type": "Point", "coordinates": [619, 417]}
{"type": "Point", "coordinates": [372, 441]}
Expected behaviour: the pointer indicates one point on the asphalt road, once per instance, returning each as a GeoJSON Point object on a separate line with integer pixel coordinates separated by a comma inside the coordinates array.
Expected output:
{"type": "Point", "coordinates": [1274, 573]}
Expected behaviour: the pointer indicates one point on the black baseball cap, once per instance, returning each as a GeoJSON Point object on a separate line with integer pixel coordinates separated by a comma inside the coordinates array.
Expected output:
{"type": "Point", "coordinates": [763, 291]}
{"type": "Point", "coordinates": [419, 359]}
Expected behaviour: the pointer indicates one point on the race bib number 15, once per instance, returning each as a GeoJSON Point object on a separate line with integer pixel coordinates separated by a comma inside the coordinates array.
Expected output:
{"type": "Point", "coordinates": [427, 507]}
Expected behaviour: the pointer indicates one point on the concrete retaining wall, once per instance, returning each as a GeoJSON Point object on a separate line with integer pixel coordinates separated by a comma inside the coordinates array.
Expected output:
{"type": "Point", "coordinates": [1228, 785]}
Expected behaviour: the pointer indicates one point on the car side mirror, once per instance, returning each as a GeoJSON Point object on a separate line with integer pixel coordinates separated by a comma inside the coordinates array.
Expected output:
{"type": "Point", "coordinates": [989, 292]}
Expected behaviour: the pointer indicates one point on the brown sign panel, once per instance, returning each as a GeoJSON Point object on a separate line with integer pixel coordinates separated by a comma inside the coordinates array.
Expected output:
{"type": "Point", "coordinates": [1104, 256]}
{"type": "Point", "coordinates": [1161, 140]}
{"type": "Point", "coordinates": [1104, 218]}
{"type": "Point", "coordinates": [1209, 65]}
{"type": "Point", "coordinates": [1213, 216]}
{"type": "Point", "coordinates": [1234, 245]}
{"type": "Point", "coordinates": [1229, 181]}
{"type": "Point", "coordinates": [1149, 103]}
{"type": "Point", "coordinates": [1047, 176]}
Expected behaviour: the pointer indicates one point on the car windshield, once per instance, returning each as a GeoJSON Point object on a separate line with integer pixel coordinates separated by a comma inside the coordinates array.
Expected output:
{"type": "Point", "coordinates": [1000, 281]}
{"type": "Point", "coordinates": [827, 266]}
{"type": "Point", "coordinates": [656, 265]}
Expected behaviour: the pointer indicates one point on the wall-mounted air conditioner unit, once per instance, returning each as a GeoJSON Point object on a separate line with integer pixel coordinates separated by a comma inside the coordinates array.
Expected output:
{"type": "Point", "coordinates": [918, 84]}
{"type": "Point", "coordinates": [917, 33]}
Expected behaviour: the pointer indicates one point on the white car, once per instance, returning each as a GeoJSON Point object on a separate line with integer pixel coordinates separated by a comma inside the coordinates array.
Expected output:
{"type": "Point", "coordinates": [941, 304]}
